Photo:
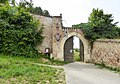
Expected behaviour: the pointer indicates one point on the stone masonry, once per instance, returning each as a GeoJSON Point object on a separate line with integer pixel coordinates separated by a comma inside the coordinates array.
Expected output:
{"type": "Point", "coordinates": [47, 23]}
{"type": "Point", "coordinates": [107, 51]}
{"type": "Point", "coordinates": [55, 36]}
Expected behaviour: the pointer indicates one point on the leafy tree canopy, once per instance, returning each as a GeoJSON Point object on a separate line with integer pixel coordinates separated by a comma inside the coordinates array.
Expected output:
{"type": "Point", "coordinates": [3, 1]}
{"type": "Point", "coordinates": [99, 25]}
{"type": "Point", "coordinates": [28, 5]}
{"type": "Point", "coordinates": [39, 11]}
{"type": "Point", "coordinates": [18, 35]}
{"type": "Point", "coordinates": [35, 10]}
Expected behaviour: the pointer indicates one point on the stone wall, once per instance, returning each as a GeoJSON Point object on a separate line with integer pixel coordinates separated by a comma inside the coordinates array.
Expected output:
{"type": "Point", "coordinates": [52, 29]}
{"type": "Point", "coordinates": [107, 51]}
{"type": "Point", "coordinates": [47, 23]}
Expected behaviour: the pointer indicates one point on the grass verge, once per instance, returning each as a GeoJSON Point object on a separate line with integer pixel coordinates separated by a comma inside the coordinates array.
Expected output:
{"type": "Point", "coordinates": [41, 60]}
{"type": "Point", "coordinates": [102, 65]}
{"type": "Point", "coordinates": [20, 70]}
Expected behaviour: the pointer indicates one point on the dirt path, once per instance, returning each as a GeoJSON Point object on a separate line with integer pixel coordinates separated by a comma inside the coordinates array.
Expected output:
{"type": "Point", "coordinates": [54, 66]}
{"type": "Point", "coordinates": [82, 73]}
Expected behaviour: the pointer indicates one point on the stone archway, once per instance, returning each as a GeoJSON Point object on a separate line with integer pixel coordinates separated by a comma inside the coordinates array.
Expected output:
{"type": "Point", "coordinates": [56, 35]}
{"type": "Point", "coordinates": [69, 52]}
{"type": "Point", "coordinates": [83, 40]}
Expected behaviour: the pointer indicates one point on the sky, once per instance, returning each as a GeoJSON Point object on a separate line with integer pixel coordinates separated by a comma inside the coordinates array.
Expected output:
{"type": "Point", "coordinates": [78, 11]}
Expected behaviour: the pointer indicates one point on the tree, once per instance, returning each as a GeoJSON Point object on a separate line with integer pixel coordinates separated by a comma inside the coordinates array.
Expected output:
{"type": "Point", "coordinates": [102, 24]}
{"type": "Point", "coordinates": [26, 5]}
{"type": "Point", "coordinates": [18, 32]}
{"type": "Point", "coordinates": [37, 10]}
{"type": "Point", "coordinates": [46, 13]}
{"type": "Point", "coordinates": [86, 29]}
{"type": "Point", "coordinates": [10, 2]}
{"type": "Point", "coordinates": [29, 7]}
{"type": "Point", "coordinates": [99, 25]}
{"type": "Point", "coordinates": [3, 1]}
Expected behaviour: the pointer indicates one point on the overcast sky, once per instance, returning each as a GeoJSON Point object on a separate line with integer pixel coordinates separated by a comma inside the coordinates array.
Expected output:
{"type": "Point", "coordinates": [78, 11]}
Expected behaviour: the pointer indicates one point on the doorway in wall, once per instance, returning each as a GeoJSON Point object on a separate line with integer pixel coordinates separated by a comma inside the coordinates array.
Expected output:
{"type": "Point", "coordinates": [73, 50]}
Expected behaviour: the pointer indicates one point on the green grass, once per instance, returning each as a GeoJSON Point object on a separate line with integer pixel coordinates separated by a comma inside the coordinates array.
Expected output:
{"type": "Point", "coordinates": [76, 56]}
{"type": "Point", "coordinates": [20, 70]}
{"type": "Point", "coordinates": [41, 60]}
{"type": "Point", "coordinates": [102, 65]}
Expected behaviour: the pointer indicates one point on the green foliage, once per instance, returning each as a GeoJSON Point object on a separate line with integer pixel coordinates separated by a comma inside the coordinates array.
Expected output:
{"type": "Point", "coordinates": [87, 30]}
{"type": "Point", "coordinates": [46, 13]}
{"type": "Point", "coordinates": [39, 11]}
{"type": "Point", "coordinates": [18, 35]}
{"type": "Point", "coordinates": [102, 65]}
{"type": "Point", "coordinates": [34, 10]}
{"type": "Point", "coordinates": [3, 1]}
{"type": "Point", "coordinates": [26, 5]}
{"type": "Point", "coordinates": [99, 25]}
{"type": "Point", "coordinates": [12, 2]}
{"type": "Point", "coordinates": [76, 54]}
{"type": "Point", "coordinates": [76, 49]}
{"type": "Point", "coordinates": [102, 24]}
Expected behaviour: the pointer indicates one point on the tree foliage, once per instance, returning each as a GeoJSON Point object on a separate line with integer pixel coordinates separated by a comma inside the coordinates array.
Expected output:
{"type": "Point", "coordinates": [102, 24]}
{"type": "Point", "coordinates": [34, 10]}
{"type": "Point", "coordinates": [26, 5]}
{"type": "Point", "coordinates": [3, 1]}
{"type": "Point", "coordinates": [18, 35]}
{"type": "Point", "coordinates": [39, 11]}
{"type": "Point", "coordinates": [46, 13]}
{"type": "Point", "coordinates": [99, 25]}
{"type": "Point", "coordinates": [12, 2]}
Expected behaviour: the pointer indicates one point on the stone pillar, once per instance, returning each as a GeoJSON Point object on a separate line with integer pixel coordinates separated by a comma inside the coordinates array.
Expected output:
{"type": "Point", "coordinates": [56, 36]}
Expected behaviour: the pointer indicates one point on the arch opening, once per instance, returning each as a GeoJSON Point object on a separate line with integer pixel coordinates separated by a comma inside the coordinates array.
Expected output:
{"type": "Point", "coordinates": [73, 49]}
{"type": "Point", "coordinates": [84, 41]}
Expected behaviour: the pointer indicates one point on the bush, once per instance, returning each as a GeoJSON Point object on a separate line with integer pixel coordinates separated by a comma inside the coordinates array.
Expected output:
{"type": "Point", "coordinates": [18, 35]}
{"type": "Point", "coordinates": [76, 49]}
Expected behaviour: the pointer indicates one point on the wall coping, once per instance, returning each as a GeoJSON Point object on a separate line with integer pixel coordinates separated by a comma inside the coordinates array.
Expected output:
{"type": "Point", "coordinates": [108, 40]}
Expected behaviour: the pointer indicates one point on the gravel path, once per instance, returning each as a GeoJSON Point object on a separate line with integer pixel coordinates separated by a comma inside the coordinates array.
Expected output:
{"type": "Point", "coordinates": [82, 73]}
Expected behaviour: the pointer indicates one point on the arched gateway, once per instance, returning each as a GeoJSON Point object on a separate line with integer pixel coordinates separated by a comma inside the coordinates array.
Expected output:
{"type": "Point", "coordinates": [68, 39]}
{"type": "Point", "coordinates": [69, 49]}
{"type": "Point", "coordinates": [57, 38]}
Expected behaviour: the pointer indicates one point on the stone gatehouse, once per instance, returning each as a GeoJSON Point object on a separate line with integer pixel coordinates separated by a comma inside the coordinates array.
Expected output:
{"type": "Point", "coordinates": [56, 36]}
